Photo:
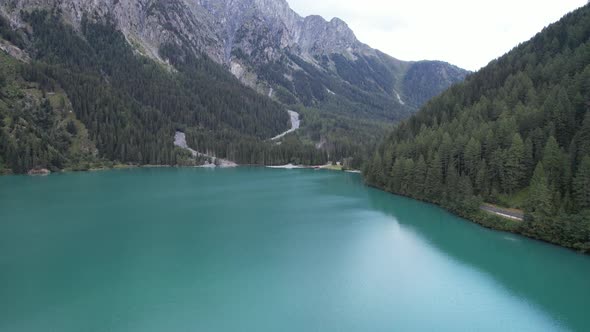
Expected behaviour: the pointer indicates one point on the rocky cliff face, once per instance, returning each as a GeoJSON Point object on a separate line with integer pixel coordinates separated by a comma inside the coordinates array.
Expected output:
{"type": "Point", "coordinates": [307, 59]}
{"type": "Point", "coordinates": [267, 46]}
{"type": "Point", "coordinates": [147, 24]}
{"type": "Point", "coordinates": [274, 21]}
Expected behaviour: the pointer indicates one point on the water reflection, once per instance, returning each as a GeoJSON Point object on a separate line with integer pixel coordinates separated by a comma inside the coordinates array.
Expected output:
{"type": "Point", "coordinates": [551, 278]}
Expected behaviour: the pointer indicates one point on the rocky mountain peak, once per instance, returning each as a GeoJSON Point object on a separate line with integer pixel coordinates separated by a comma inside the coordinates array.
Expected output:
{"type": "Point", "coordinates": [272, 20]}
{"type": "Point", "coordinates": [319, 36]}
{"type": "Point", "coordinates": [264, 43]}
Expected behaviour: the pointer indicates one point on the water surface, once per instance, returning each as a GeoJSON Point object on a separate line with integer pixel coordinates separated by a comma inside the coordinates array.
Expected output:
{"type": "Point", "coordinates": [254, 249]}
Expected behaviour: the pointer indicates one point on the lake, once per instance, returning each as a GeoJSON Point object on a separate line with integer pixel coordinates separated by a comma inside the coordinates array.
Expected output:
{"type": "Point", "coordinates": [255, 249]}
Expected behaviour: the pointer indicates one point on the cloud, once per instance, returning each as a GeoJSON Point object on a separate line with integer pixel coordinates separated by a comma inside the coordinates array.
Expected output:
{"type": "Point", "coordinates": [466, 33]}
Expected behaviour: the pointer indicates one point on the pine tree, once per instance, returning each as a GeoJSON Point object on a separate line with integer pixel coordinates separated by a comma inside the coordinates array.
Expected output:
{"type": "Point", "coordinates": [397, 176]}
{"type": "Point", "coordinates": [496, 168]}
{"type": "Point", "coordinates": [472, 156]}
{"type": "Point", "coordinates": [378, 168]}
{"type": "Point", "coordinates": [514, 166]}
{"type": "Point", "coordinates": [564, 117]}
{"type": "Point", "coordinates": [387, 159]}
{"type": "Point", "coordinates": [445, 151]}
{"type": "Point", "coordinates": [481, 180]}
{"type": "Point", "coordinates": [581, 184]}
{"type": "Point", "coordinates": [529, 159]}
{"type": "Point", "coordinates": [452, 193]}
{"type": "Point", "coordinates": [583, 138]}
{"type": "Point", "coordinates": [434, 180]}
{"type": "Point", "coordinates": [466, 198]}
{"type": "Point", "coordinates": [420, 177]}
{"type": "Point", "coordinates": [408, 179]}
{"type": "Point", "coordinates": [552, 162]}
{"type": "Point", "coordinates": [539, 199]}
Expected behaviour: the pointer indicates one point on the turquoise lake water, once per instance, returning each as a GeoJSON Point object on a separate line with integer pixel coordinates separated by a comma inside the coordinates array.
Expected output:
{"type": "Point", "coordinates": [254, 249]}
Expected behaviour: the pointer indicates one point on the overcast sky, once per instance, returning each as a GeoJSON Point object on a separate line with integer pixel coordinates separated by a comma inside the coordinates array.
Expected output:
{"type": "Point", "coordinates": [467, 33]}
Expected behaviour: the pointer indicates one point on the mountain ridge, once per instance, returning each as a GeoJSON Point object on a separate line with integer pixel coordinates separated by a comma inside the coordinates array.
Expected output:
{"type": "Point", "coordinates": [247, 35]}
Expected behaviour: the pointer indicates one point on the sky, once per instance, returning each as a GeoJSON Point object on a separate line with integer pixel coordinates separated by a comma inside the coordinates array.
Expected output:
{"type": "Point", "coordinates": [466, 33]}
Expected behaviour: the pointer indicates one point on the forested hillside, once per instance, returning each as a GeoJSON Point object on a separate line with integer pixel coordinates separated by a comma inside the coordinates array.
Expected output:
{"type": "Point", "coordinates": [128, 105]}
{"type": "Point", "coordinates": [349, 94]}
{"type": "Point", "coordinates": [517, 133]}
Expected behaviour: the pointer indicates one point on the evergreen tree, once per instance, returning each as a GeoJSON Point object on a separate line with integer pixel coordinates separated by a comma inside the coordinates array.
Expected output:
{"type": "Point", "coordinates": [539, 199]}
{"type": "Point", "coordinates": [434, 180]}
{"type": "Point", "coordinates": [514, 168]}
{"type": "Point", "coordinates": [581, 184]}
{"type": "Point", "coordinates": [481, 180]}
{"type": "Point", "coordinates": [552, 162]}
{"type": "Point", "coordinates": [397, 175]}
{"type": "Point", "coordinates": [583, 138]}
{"type": "Point", "coordinates": [472, 157]}
{"type": "Point", "coordinates": [452, 192]}
{"type": "Point", "coordinates": [420, 174]}
{"type": "Point", "coordinates": [377, 168]}
{"type": "Point", "coordinates": [529, 159]}
{"type": "Point", "coordinates": [408, 185]}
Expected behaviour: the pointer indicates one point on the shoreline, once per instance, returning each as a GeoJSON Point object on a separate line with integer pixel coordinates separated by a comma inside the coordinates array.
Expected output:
{"type": "Point", "coordinates": [329, 167]}
{"type": "Point", "coordinates": [205, 166]}
{"type": "Point", "coordinates": [489, 221]}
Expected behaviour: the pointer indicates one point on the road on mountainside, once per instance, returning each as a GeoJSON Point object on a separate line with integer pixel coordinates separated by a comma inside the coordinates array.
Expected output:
{"type": "Point", "coordinates": [506, 213]}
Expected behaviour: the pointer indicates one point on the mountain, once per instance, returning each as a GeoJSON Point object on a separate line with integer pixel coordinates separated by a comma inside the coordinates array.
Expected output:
{"type": "Point", "coordinates": [312, 61]}
{"type": "Point", "coordinates": [272, 49]}
{"type": "Point", "coordinates": [163, 66]}
{"type": "Point", "coordinates": [86, 99]}
{"type": "Point", "coordinates": [515, 134]}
